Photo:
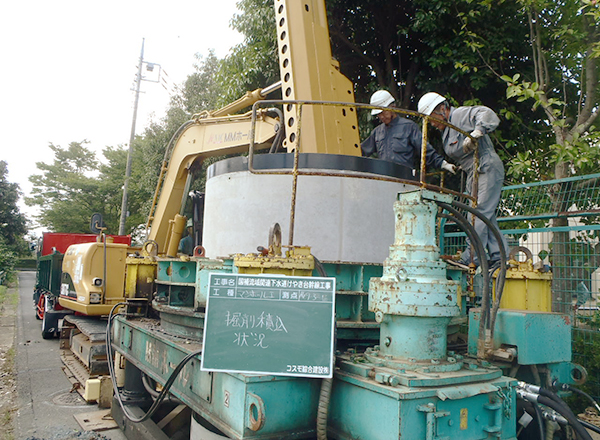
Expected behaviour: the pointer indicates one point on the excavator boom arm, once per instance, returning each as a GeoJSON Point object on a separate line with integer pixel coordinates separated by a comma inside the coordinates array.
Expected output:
{"type": "Point", "coordinates": [204, 138]}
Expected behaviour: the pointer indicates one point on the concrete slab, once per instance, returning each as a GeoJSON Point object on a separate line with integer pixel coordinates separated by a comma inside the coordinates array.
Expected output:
{"type": "Point", "coordinates": [99, 420]}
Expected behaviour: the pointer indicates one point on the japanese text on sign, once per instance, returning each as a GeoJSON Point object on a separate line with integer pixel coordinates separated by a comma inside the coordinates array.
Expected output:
{"type": "Point", "coordinates": [269, 324]}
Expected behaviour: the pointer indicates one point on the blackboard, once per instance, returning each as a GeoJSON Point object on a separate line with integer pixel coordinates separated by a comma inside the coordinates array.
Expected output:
{"type": "Point", "coordinates": [265, 324]}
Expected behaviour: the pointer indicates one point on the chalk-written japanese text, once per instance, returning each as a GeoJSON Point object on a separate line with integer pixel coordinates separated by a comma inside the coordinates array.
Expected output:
{"type": "Point", "coordinates": [256, 339]}
{"type": "Point", "coordinates": [264, 321]}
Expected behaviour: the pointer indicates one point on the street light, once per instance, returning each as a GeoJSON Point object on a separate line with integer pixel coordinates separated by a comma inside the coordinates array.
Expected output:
{"type": "Point", "coordinates": [138, 81]}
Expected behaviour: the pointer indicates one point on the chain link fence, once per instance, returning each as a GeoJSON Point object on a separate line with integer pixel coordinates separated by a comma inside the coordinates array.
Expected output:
{"type": "Point", "coordinates": [559, 222]}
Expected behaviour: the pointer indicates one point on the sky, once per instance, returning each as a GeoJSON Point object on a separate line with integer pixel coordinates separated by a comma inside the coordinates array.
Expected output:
{"type": "Point", "coordinates": [67, 70]}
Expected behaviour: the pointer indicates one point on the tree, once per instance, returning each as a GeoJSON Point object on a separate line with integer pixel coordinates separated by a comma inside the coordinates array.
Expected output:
{"type": "Point", "coordinates": [65, 189]}
{"type": "Point", "coordinates": [255, 62]}
{"type": "Point", "coordinates": [75, 186]}
{"type": "Point", "coordinates": [564, 89]}
{"type": "Point", "coordinates": [110, 184]}
{"type": "Point", "coordinates": [563, 85]}
{"type": "Point", "coordinates": [201, 90]}
{"type": "Point", "coordinates": [13, 225]}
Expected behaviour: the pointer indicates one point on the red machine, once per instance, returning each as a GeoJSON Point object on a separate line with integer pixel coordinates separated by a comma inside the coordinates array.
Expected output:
{"type": "Point", "coordinates": [60, 241]}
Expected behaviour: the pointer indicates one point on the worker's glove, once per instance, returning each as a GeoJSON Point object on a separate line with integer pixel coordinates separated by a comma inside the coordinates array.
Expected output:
{"type": "Point", "coordinates": [469, 144]}
{"type": "Point", "coordinates": [450, 167]}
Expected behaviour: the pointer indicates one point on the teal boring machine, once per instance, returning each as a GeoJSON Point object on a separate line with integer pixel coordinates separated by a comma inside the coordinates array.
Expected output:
{"type": "Point", "coordinates": [344, 336]}
{"type": "Point", "coordinates": [431, 392]}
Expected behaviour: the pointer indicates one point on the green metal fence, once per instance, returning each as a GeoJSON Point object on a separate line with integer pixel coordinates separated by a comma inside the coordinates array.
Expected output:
{"type": "Point", "coordinates": [559, 221]}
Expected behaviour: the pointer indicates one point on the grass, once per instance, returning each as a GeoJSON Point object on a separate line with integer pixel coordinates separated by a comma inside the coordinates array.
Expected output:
{"type": "Point", "coordinates": [7, 369]}
{"type": "Point", "coordinates": [10, 299]}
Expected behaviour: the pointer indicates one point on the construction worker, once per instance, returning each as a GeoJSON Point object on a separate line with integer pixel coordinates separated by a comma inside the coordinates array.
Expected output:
{"type": "Point", "coordinates": [478, 121]}
{"type": "Point", "coordinates": [186, 244]}
{"type": "Point", "coordinates": [398, 139]}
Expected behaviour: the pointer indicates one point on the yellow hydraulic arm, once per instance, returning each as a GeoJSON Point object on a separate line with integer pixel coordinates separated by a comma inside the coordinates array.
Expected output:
{"type": "Point", "coordinates": [203, 137]}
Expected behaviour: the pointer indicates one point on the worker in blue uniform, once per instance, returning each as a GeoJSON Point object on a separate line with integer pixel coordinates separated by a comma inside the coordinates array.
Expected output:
{"type": "Point", "coordinates": [478, 121]}
{"type": "Point", "coordinates": [186, 244]}
{"type": "Point", "coordinates": [398, 139]}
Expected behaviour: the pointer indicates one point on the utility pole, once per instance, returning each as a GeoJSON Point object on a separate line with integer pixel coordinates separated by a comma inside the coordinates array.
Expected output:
{"type": "Point", "coordinates": [138, 81]}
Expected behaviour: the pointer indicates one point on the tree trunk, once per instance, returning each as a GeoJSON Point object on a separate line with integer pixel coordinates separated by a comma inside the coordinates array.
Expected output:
{"type": "Point", "coordinates": [561, 294]}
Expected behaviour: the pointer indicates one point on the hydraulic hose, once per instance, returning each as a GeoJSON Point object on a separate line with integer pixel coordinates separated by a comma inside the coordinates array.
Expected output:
{"type": "Point", "coordinates": [536, 389]}
{"type": "Point", "coordinates": [466, 226]}
{"type": "Point", "coordinates": [152, 391]}
{"type": "Point", "coordinates": [279, 136]}
{"type": "Point", "coordinates": [163, 167]}
{"type": "Point", "coordinates": [552, 395]}
{"type": "Point", "coordinates": [582, 434]}
{"type": "Point", "coordinates": [589, 426]}
{"type": "Point", "coordinates": [323, 408]}
{"type": "Point", "coordinates": [502, 274]}
{"type": "Point", "coordinates": [540, 420]}
{"type": "Point", "coordinates": [155, 405]}
{"type": "Point", "coordinates": [546, 397]}
{"type": "Point", "coordinates": [568, 387]}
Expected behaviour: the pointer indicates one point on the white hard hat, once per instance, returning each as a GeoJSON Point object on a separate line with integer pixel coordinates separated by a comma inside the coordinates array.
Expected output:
{"type": "Point", "coordinates": [429, 101]}
{"type": "Point", "coordinates": [190, 223]}
{"type": "Point", "coordinates": [381, 98]}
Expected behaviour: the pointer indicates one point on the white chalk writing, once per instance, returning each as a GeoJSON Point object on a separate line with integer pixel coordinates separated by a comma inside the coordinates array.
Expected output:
{"type": "Point", "coordinates": [256, 339]}
{"type": "Point", "coordinates": [263, 321]}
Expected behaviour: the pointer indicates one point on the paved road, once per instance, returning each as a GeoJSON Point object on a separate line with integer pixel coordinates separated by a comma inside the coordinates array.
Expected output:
{"type": "Point", "coordinates": [45, 405]}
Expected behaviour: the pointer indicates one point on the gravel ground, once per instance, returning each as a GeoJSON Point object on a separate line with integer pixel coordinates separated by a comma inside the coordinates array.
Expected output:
{"type": "Point", "coordinates": [70, 435]}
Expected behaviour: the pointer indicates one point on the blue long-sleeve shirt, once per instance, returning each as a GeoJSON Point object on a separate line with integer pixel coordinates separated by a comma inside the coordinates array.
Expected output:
{"type": "Point", "coordinates": [398, 142]}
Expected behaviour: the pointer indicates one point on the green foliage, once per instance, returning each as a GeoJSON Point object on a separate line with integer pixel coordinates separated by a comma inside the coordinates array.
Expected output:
{"type": "Point", "coordinates": [564, 83]}
{"type": "Point", "coordinates": [64, 191]}
{"type": "Point", "coordinates": [586, 352]}
{"type": "Point", "coordinates": [76, 185]}
{"type": "Point", "coordinates": [254, 63]}
{"type": "Point", "coordinates": [202, 89]}
{"type": "Point", "coordinates": [8, 261]}
{"type": "Point", "coordinates": [13, 226]}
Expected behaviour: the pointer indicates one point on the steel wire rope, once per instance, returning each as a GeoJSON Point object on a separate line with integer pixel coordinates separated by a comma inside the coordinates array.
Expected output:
{"type": "Point", "coordinates": [279, 136]}
{"type": "Point", "coordinates": [319, 266]}
{"type": "Point", "coordinates": [323, 408]}
{"type": "Point", "coordinates": [326, 384]}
